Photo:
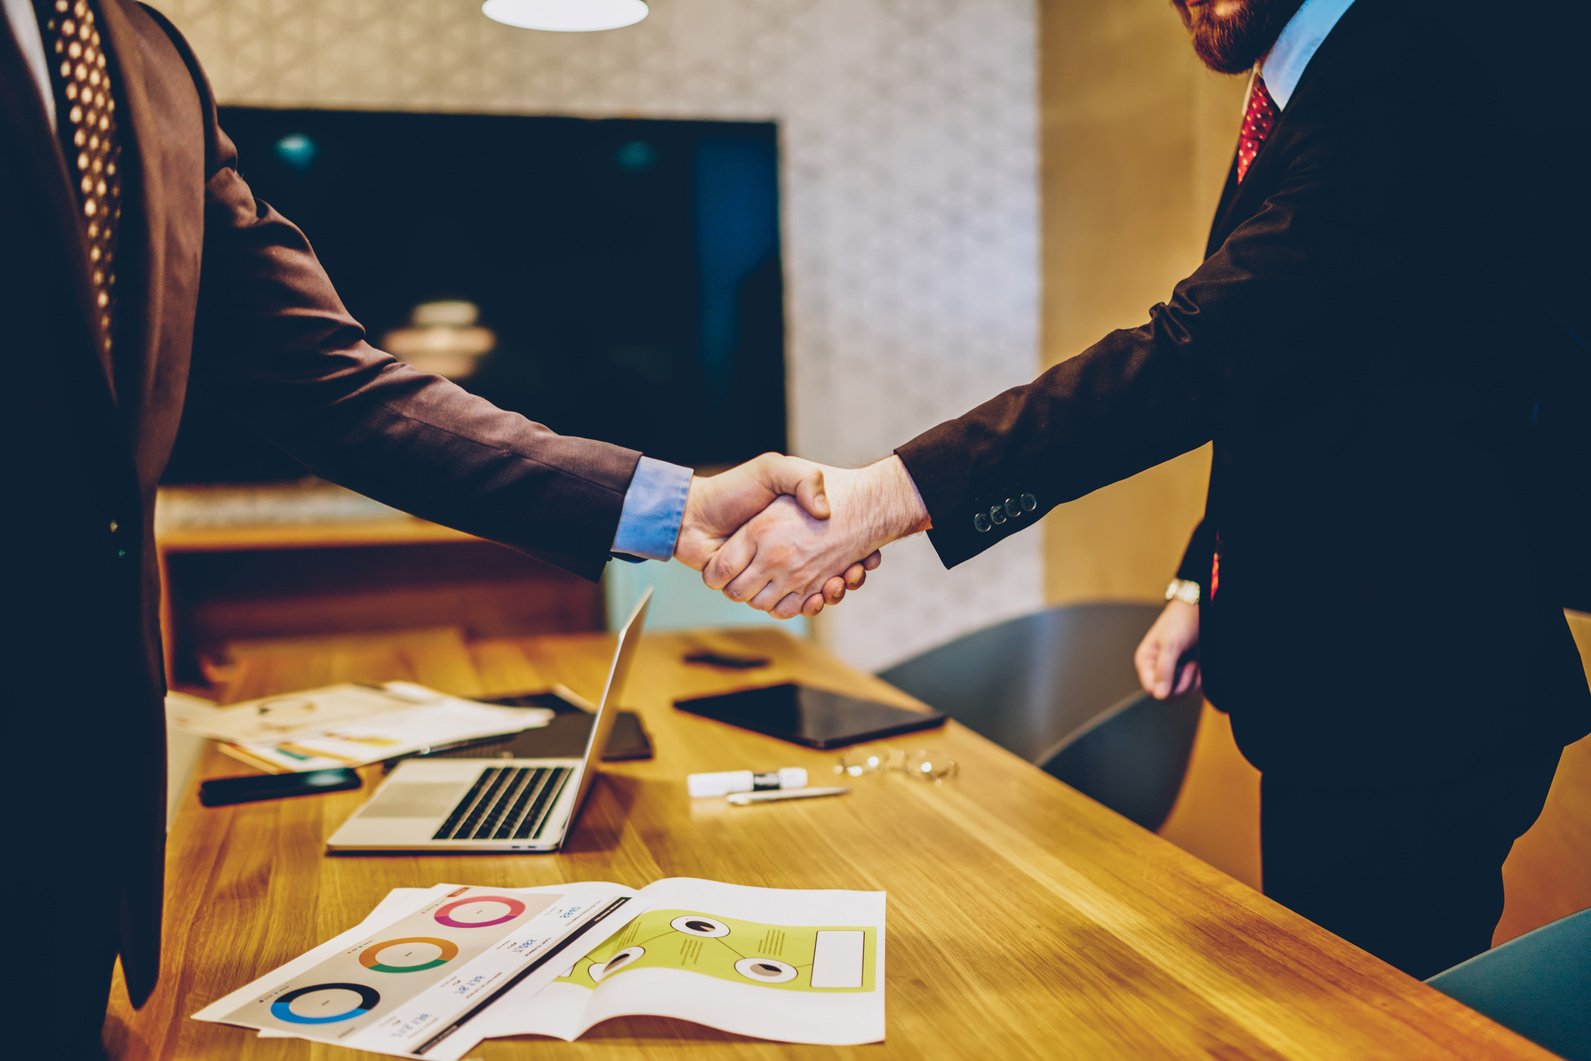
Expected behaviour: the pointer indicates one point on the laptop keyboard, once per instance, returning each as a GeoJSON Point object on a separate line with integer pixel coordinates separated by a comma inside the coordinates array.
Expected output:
{"type": "Point", "coordinates": [506, 802]}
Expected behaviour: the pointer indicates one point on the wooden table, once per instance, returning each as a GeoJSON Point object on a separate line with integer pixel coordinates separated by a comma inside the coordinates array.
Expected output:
{"type": "Point", "coordinates": [1024, 919]}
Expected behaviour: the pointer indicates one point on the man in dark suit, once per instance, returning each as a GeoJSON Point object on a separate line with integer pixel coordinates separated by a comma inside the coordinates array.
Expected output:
{"type": "Point", "coordinates": [1372, 344]}
{"type": "Point", "coordinates": [128, 240]}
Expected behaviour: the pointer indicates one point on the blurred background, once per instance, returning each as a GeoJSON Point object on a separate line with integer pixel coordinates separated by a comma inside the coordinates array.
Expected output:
{"type": "Point", "coordinates": [820, 225]}
{"type": "Point", "coordinates": [815, 224]}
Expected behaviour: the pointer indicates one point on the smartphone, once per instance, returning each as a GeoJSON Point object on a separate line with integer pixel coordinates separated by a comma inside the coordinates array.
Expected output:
{"type": "Point", "coordinates": [221, 791]}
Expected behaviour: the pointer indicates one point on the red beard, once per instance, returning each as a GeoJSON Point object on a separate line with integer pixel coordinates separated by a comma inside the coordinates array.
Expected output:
{"type": "Point", "coordinates": [1233, 43]}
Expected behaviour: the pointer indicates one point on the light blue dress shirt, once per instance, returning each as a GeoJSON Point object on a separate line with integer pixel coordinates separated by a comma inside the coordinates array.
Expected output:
{"type": "Point", "coordinates": [1284, 64]}
{"type": "Point", "coordinates": [654, 509]}
{"type": "Point", "coordinates": [654, 506]}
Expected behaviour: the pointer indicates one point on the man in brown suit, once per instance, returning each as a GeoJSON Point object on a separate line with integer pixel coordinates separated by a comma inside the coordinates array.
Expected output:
{"type": "Point", "coordinates": [128, 241]}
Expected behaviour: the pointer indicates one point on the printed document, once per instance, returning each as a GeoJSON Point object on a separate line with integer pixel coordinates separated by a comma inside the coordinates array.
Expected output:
{"type": "Point", "coordinates": [432, 972]}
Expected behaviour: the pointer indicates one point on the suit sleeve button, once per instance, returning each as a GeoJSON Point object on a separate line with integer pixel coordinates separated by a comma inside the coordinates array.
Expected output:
{"type": "Point", "coordinates": [1013, 507]}
{"type": "Point", "coordinates": [997, 515]}
{"type": "Point", "coordinates": [1030, 502]}
{"type": "Point", "coordinates": [981, 522]}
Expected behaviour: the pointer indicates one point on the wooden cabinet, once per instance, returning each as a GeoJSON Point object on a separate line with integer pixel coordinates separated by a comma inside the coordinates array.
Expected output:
{"type": "Point", "coordinates": [225, 584]}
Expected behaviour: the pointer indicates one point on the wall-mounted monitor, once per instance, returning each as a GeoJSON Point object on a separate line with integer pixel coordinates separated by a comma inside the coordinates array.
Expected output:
{"type": "Point", "coordinates": [616, 279]}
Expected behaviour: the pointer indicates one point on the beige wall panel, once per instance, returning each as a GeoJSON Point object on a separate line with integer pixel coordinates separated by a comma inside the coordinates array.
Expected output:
{"type": "Point", "coordinates": [1136, 138]}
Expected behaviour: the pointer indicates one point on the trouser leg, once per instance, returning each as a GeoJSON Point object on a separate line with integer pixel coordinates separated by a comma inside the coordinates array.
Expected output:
{"type": "Point", "coordinates": [1411, 874]}
{"type": "Point", "coordinates": [68, 930]}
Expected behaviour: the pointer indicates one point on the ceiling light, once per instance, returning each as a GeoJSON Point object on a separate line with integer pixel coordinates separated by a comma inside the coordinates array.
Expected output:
{"type": "Point", "coordinates": [565, 16]}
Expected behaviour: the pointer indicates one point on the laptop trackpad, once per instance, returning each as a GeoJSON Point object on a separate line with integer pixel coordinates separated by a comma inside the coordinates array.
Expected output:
{"type": "Point", "coordinates": [416, 799]}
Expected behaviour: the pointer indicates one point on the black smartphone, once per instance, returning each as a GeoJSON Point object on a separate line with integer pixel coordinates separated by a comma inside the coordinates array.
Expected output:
{"type": "Point", "coordinates": [727, 661]}
{"type": "Point", "coordinates": [221, 791]}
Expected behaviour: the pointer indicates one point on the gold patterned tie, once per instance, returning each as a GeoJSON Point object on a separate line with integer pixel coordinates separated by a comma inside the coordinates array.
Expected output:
{"type": "Point", "coordinates": [86, 116]}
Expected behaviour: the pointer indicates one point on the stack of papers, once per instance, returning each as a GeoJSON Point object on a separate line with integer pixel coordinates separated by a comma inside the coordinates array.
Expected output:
{"type": "Point", "coordinates": [348, 725]}
{"type": "Point", "coordinates": [434, 971]}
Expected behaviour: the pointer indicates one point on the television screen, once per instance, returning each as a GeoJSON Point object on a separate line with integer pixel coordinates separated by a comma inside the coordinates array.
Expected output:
{"type": "Point", "coordinates": [616, 279]}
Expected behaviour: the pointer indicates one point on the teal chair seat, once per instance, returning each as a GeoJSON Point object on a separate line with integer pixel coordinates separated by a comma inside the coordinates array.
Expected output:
{"type": "Point", "coordinates": [1538, 985]}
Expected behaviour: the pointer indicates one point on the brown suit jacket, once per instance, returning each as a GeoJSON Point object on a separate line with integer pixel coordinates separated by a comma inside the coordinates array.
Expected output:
{"type": "Point", "coordinates": [222, 299]}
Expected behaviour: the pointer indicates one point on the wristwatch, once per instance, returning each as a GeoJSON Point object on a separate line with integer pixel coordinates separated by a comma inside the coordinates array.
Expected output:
{"type": "Point", "coordinates": [1183, 590]}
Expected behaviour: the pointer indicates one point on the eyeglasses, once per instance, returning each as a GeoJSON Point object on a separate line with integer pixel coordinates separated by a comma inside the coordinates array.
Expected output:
{"type": "Point", "coordinates": [928, 766]}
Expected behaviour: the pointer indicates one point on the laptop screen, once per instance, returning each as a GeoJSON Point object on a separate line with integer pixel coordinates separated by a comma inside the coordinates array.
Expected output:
{"type": "Point", "coordinates": [602, 725]}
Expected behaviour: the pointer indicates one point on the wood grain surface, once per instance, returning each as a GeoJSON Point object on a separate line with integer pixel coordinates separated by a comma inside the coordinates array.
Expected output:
{"type": "Point", "coordinates": [1025, 920]}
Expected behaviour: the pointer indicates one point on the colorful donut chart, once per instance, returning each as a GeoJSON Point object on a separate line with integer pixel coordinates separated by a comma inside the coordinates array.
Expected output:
{"type": "Point", "coordinates": [370, 957]}
{"type": "Point", "coordinates": [281, 1009]}
{"type": "Point", "coordinates": [515, 908]}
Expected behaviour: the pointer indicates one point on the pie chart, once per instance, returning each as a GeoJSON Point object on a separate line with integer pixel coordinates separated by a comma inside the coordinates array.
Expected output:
{"type": "Point", "coordinates": [479, 911]}
{"type": "Point", "coordinates": [325, 1003]}
{"type": "Point", "coordinates": [408, 954]}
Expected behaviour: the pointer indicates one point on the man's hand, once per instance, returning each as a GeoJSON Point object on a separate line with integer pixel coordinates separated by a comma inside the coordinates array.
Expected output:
{"type": "Point", "coordinates": [719, 505]}
{"type": "Point", "coordinates": [1173, 636]}
{"type": "Point", "coordinates": [783, 556]}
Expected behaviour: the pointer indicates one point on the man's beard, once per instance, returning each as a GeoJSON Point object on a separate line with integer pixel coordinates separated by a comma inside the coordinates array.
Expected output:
{"type": "Point", "coordinates": [1233, 43]}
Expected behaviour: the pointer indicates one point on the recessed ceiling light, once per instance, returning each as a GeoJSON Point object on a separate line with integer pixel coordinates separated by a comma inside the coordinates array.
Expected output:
{"type": "Point", "coordinates": [565, 16]}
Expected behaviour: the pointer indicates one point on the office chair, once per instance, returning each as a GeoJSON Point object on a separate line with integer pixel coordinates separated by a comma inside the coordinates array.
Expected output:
{"type": "Point", "coordinates": [1538, 985]}
{"type": "Point", "coordinates": [1059, 689]}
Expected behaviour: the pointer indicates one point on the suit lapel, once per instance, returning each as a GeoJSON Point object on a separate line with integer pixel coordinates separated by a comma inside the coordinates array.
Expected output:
{"type": "Point", "coordinates": [1228, 193]}
{"type": "Point", "coordinates": [142, 242]}
{"type": "Point", "coordinates": [1238, 201]}
{"type": "Point", "coordinates": [41, 170]}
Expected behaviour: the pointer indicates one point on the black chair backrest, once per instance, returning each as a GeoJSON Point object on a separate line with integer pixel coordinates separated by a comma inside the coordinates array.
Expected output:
{"type": "Point", "coordinates": [1033, 683]}
{"type": "Point", "coordinates": [1134, 757]}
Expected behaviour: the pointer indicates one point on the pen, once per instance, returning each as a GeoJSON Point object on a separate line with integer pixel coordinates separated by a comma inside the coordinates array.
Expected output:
{"type": "Point", "coordinates": [745, 799]}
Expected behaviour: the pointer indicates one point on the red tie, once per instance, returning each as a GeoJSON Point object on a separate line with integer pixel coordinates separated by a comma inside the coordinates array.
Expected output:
{"type": "Point", "coordinates": [1258, 121]}
{"type": "Point", "coordinates": [1257, 124]}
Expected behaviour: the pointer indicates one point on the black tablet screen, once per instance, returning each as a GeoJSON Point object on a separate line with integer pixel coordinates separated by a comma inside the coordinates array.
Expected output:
{"type": "Point", "coordinates": [814, 717]}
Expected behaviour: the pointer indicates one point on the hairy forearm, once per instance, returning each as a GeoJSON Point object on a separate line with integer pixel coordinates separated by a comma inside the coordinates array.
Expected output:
{"type": "Point", "coordinates": [889, 497]}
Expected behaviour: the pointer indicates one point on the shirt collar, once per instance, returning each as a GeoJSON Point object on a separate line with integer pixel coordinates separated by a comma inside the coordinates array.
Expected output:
{"type": "Point", "coordinates": [1284, 64]}
{"type": "Point", "coordinates": [25, 27]}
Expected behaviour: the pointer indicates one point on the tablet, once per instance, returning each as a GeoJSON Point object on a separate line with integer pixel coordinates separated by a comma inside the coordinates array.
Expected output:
{"type": "Point", "coordinates": [816, 718]}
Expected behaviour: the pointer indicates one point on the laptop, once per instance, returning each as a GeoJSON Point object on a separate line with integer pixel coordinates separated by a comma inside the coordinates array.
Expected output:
{"type": "Point", "coordinates": [490, 804]}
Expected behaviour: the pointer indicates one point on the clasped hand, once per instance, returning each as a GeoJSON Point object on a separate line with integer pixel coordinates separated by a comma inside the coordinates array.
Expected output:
{"type": "Point", "coordinates": [788, 536]}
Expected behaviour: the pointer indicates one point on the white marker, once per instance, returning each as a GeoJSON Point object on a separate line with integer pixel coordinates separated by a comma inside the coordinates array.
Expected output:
{"type": "Point", "coordinates": [746, 799]}
{"type": "Point", "coordinates": [705, 786]}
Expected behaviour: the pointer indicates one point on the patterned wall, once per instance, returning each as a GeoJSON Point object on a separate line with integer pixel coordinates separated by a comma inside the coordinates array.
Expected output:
{"type": "Point", "coordinates": [909, 135]}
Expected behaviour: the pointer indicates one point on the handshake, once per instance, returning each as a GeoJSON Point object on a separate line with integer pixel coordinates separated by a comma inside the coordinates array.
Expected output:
{"type": "Point", "coordinates": [788, 536]}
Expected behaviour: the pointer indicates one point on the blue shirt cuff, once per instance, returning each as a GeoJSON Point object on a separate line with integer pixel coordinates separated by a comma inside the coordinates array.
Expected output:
{"type": "Point", "coordinates": [654, 509]}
